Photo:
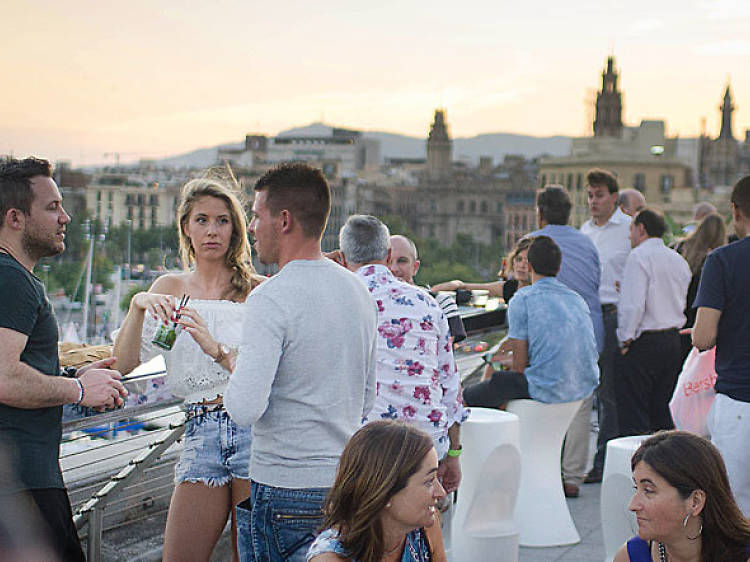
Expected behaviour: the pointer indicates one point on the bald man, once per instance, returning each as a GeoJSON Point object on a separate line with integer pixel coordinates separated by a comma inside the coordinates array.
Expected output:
{"type": "Point", "coordinates": [631, 201]}
{"type": "Point", "coordinates": [404, 264]}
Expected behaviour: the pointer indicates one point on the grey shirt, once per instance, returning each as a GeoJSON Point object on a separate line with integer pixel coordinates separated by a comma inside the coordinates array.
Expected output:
{"type": "Point", "coordinates": [305, 374]}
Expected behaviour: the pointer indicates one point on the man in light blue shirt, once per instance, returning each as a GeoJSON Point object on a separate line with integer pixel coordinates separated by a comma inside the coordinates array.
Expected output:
{"type": "Point", "coordinates": [551, 336]}
{"type": "Point", "coordinates": [581, 272]}
{"type": "Point", "coordinates": [580, 269]}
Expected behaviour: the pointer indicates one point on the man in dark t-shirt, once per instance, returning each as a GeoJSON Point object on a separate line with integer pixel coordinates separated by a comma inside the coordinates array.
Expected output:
{"type": "Point", "coordinates": [723, 319]}
{"type": "Point", "coordinates": [32, 226]}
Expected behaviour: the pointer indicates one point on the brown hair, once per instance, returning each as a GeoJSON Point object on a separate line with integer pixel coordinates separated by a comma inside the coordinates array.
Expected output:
{"type": "Point", "coordinates": [554, 204]}
{"type": "Point", "coordinates": [598, 176]}
{"type": "Point", "coordinates": [710, 233]}
{"type": "Point", "coordinates": [653, 221]}
{"type": "Point", "coordinates": [15, 183]}
{"type": "Point", "coordinates": [741, 196]}
{"type": "Point", "coordinates": [375, 465]}
{"type": "Point", "coordinates": [238, 257]}
{"type": "Point", "coordinates": [520, 246]}
{"type": "Point", "coordinates": [688, 463]}
{"type": "Point", "coordinates": [300, 189]}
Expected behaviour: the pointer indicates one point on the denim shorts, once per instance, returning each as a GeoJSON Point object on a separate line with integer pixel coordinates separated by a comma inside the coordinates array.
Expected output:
{"type": "Point", "coordinates": [215, 449]}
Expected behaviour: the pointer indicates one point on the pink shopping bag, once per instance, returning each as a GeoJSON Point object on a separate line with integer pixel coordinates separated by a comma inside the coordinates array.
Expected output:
{"type": "Point", "coordinates": [694, 393]}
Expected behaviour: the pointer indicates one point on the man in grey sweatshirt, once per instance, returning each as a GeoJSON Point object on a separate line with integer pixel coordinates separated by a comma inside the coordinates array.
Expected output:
{"type": "Point", "coordinates": [305, 373]}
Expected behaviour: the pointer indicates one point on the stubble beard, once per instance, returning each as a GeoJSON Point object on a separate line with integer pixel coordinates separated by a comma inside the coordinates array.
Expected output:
{"type": "Point", "coordinates": [37, 247]}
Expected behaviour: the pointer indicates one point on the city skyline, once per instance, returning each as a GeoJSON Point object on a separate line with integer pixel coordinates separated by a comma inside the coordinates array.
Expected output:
{"type": "Point", "coordinates": [89, 80]}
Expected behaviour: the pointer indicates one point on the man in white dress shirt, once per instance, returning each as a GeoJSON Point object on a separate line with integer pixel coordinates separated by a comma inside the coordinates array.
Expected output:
{"type": "Point", "coordinates": [650, 311]}
{"type": "Point", "coordinates": [609, 229]}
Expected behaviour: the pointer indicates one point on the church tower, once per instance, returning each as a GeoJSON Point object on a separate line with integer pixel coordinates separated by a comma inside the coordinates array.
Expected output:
{"type": "Point", "coordinates": [608, 121]}
{"type": "Point", "coordinates": [726, 108]}
{"type": "Point", "coordinates": [721, 161]}
{"type": "Point", "coordinates": [439, 148]}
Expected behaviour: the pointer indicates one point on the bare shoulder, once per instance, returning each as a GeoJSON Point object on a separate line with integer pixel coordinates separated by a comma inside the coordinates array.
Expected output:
{"type": "Point", "coordinates": [328, 557]}
{"type": "Point", "coordinates": [622, 555]}
{"type": "Point", "coordinates": [170, 284]}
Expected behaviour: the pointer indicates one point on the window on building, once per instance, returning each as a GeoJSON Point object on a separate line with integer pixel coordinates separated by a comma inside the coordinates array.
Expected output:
{"type": "Point", "coordinates": [483, 207]}
{"type": "Point", "coordinates": [544, 180]}
{"type": "Point", "coordinates": [460, 206]}
{"type": "Point", "coordinates": [472, 207]}
{"type": "Point", "coordinates": [433, 206]}
{"type": "Point", "coordinates": [666, 183]}
{"type": "Point", "coordinates": [570, 182]}
{"type": "Point", "coordinates": [130, 213]}
{"type": "Point", "coordinates": [639, 182]}
{"type": "Point", "coordinates": [499, 208]}
{"type": "Point", "coordinates": [154, 200]}
{"type": "Point", "coordinates": [579, 181]}
{"type": "Point", "coordinates": [98, 196]}
{"type": "Point", "coordinates": [524, 224]}
{"type": "Point", "coordinates": [109, 197]}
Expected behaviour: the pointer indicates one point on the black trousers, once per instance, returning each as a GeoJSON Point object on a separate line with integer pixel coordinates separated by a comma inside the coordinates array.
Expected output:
{"type": "Point", "coordinates": [606, 393]}
{"type": "Point", "coordinates": [646, 377]}
{"type": "Point", "coordinates": [503, 386]}
{"type": "Point", "coordinates": [48, 511]}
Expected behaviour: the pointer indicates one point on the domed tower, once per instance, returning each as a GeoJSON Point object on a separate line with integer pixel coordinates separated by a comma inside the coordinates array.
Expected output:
{"type": "Point", "coordinates": [608, 121]}
{"type": "Point", "coordinates": [439, 148]}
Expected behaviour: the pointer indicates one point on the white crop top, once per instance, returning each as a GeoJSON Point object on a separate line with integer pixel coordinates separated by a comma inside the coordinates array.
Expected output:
{"type": "Point", "coordinates": [192, 374]}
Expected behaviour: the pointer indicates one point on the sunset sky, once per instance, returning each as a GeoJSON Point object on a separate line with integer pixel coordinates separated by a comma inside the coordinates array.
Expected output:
{"type": "Point", "coordinates": [149, 79]}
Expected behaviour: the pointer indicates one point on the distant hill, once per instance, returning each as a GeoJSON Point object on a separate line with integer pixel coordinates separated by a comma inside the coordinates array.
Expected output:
{"type": "Point", "coordinates": [393, 145]}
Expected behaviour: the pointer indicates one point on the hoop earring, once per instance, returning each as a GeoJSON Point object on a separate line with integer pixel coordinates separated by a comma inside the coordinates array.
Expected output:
{"type": "Point", "coordinates": [700, 529]}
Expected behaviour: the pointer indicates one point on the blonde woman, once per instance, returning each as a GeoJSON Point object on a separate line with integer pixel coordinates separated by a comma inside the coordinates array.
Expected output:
{"type": "Point", "coordinates": [211, 476]}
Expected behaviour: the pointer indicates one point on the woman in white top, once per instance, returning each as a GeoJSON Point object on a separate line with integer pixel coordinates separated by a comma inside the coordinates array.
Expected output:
{"type": "Point", "coordinates": [212, 474]}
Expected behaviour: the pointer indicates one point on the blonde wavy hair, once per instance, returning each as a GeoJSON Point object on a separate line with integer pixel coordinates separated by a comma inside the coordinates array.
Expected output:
{"type": "Point", "coordinates": [238, 257]}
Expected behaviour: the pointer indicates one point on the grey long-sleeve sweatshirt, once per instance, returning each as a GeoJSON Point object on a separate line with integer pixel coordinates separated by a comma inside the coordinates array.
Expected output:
{"type": "Point", "coordinates": [305, 373]}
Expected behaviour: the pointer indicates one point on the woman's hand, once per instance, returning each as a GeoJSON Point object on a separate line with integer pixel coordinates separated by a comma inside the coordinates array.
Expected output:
{"type": "Point", "coordinates": [194, 325]}
{"type": "Point", "coordinates": [454, 285]}
{"type": "Point", "coordinates": [160, 307]}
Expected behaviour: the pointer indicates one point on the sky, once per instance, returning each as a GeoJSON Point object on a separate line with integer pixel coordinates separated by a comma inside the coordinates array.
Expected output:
{"type": "Point", "coordinates": [86, 79]}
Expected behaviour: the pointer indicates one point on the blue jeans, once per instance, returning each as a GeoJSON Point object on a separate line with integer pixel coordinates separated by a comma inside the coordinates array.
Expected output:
{"type": "Point", "coordinates": [278, 524]}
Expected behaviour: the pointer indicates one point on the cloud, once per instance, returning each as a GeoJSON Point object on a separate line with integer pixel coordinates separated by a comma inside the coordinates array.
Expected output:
{"type": "Point", "coordinates": [645, 26]}
{"type": "Point", "coordinates": [735, 47]}
{"type": "Point", "coordinates": [724, 9]}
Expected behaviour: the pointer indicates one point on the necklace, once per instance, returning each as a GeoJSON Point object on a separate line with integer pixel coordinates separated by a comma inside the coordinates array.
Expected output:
{"type": "Point", "coordinates": [662, 553]}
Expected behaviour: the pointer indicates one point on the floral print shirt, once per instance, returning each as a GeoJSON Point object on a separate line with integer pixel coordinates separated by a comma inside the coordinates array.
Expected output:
{"type": "Point", "coordinates": [417, 380]}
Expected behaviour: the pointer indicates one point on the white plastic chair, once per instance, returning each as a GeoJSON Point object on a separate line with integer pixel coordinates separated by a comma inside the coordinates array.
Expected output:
{"type": "Point", "coordinates": [483, 527]}
{"type": "Point", "coordinates": [542, 514]}
{"type": "Point", "coordinates": [618, 522]}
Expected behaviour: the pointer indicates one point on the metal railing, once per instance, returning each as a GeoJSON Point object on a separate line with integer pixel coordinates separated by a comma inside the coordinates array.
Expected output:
{"type": "Point", "coordinates": [118, 467]}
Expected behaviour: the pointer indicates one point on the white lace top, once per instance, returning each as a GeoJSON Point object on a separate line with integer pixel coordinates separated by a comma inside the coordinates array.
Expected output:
{"type": "Point", "coordinates": [193, 375]}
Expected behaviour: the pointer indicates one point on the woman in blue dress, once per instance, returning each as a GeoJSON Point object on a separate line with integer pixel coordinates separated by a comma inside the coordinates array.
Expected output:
{"type": "Point", "coordinates": [382, 505]}
{"type": "Point", "coordinates": [683, 504]}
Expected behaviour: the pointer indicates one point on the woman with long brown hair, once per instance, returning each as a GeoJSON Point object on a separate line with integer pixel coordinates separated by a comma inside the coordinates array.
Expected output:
{"type": "Point", "coordinates": [683, 504]}
{"type": "Point", "coordinates": [382, 505]}
{"type": "Point", "coordinates": [710, 233]}
{"type": "Point", "coordinates": [515, 274]}
{"type": "Point", "coordinates": [212, 474]}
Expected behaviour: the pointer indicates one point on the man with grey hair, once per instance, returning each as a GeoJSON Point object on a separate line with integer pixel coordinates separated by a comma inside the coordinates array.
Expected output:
{"type": "Point", "coordinates": [417, 381]}
{"type": "Point", "coordinates": [699, 212]}
{"type": "Point", "coordinates": [631, 201]}
{"type": "Point", "coordinates": [404, 264]}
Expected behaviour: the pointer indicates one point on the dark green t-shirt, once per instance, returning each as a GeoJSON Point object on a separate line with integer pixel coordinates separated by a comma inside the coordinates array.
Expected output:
{"type": "Point", "coordinates": [30, 438]}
